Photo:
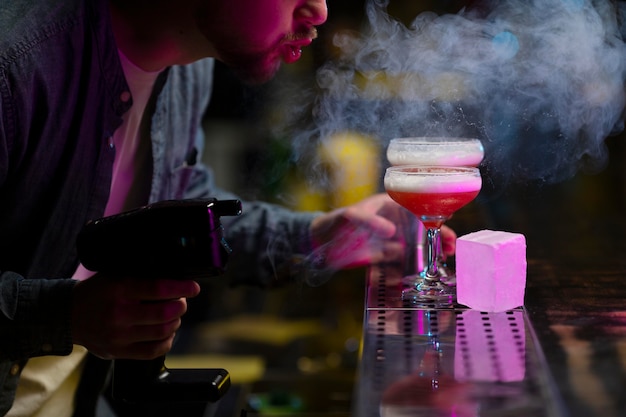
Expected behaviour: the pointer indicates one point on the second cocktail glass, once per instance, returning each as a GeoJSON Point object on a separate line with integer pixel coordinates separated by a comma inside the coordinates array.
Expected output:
{"type": "Point", "coordinates": [435, 151]}
{"type": "Point", "coordinates": [433, 194]}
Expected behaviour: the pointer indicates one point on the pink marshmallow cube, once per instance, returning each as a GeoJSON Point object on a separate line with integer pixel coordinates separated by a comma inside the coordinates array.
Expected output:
{"type": "Point", "coordinates": [491, 270]}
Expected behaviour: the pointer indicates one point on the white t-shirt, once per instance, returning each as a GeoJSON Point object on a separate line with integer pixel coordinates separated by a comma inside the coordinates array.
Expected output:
{"type": "Point", "coordinates": [48, 383]}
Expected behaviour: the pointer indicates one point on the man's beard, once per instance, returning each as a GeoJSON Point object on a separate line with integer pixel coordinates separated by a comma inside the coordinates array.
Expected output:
{"type": "Point", "coordinates": [260, 67]}
{"type": "Point", "coordinates": [255, 70]}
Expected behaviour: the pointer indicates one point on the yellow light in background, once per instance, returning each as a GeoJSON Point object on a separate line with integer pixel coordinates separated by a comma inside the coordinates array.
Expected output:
{"type": "Point", "coordinates": [353, 162]}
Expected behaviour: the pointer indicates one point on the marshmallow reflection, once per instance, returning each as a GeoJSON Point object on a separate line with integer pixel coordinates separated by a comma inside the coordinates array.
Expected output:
{"type": "Point", "coordinates": [490, 347]}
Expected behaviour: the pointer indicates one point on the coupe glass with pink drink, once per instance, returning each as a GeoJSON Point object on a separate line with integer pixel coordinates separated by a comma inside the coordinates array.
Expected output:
{"type": "Point", "coordinates": [435, 151]}
{"type": "Point", "coordinates": [433, 194]}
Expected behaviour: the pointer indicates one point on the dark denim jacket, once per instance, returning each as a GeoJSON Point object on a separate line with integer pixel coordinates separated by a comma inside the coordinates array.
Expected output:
{"type": "Point", "coordinates": [62, 94]}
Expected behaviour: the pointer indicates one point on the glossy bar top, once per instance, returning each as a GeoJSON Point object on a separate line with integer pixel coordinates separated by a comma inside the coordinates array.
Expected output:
{"type": "Point", "coordinates": [573, 319]}
{"type": "Point", "coordinates": [447, 361]}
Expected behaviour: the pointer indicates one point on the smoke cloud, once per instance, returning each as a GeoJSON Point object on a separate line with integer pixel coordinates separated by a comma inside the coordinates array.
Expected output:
{"type": "Point", "coordinates": [541, 83]}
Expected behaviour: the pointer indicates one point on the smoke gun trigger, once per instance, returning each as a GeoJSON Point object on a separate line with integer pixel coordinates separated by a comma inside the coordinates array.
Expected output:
{"type": "Point", "coordinates": [225, 207]}
{"type": "Point", "coordinates": [225, 244]}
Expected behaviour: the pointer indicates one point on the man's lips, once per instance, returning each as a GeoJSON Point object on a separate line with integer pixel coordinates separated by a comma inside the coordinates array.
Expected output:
{"type": "Point", "coordinates": [292, 52]}
{"type": "Point", "coordinates": [292, 47]}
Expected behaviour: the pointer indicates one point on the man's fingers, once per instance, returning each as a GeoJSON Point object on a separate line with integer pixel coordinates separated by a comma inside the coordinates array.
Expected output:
{"type": "Point", "coordinates": [153, 333]}
{"type": "Point", "coordinates": [146, 350]}
{"type": "Point", "coordinates": [160, 289]}
{"type": "Point", "coordinates": [448, 240]}
{"type": "Point", "coordinates": [143, 314]}
{"type": "Point", "coordinates": [373, 225]}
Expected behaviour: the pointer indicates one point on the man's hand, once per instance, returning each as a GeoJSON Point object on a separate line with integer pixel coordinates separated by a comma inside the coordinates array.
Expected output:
{"type": "Point", "coordinates": [366, 233]}
{"type": "Point", "coordinates": [129, 318]}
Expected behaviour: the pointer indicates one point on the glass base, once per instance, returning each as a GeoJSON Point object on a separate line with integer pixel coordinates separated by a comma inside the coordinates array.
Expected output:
{"type": "Point", "coordinates": [419, 290]}
{"type": "Point", "coordinates": [448, 276]}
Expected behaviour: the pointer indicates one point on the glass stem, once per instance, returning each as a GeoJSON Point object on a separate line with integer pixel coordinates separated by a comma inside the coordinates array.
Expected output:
{"type": "Point", "coordinates": [433, 238]}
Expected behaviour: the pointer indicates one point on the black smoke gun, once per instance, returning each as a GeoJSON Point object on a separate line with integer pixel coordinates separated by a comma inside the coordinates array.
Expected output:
{"type": "Point", "coordinates": [180, 239]}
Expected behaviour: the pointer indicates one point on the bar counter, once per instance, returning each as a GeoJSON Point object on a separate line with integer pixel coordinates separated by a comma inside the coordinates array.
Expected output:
{"type": "Point", "coordinates": [446, 361]}
{"type": "Point", "coordinates": [561, 354]}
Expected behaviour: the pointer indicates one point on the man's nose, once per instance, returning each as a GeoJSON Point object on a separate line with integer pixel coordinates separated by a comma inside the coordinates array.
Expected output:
{"type": "Point", "coordinates": [314, 12]}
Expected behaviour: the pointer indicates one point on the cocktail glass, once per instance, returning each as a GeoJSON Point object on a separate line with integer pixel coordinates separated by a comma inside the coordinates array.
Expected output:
{"type": "Point", "coordinates": [433, 194]}
{"type": "Point", "coordinates": [435, 151]}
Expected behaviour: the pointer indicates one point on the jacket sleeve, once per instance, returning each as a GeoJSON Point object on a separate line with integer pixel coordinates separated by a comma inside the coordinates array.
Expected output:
{"type": "Point", "coordinates": [35, 316]}
{"type": "Point", "coordinates": [271, 244]}
{"type": "Point", "coordinates": [34, 321]}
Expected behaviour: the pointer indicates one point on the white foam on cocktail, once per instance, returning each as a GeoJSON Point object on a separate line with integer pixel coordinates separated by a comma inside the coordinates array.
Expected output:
{"type": "Point", "coordinates": [435, 151]}
{"type": "Point", "coordinates": [432, 183]}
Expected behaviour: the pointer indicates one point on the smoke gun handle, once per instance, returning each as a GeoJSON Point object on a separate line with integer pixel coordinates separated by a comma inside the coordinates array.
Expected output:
{"type": "Point", "coordinates": [182, 238]}
{"type": "Point", "coordinates": [150, 381]}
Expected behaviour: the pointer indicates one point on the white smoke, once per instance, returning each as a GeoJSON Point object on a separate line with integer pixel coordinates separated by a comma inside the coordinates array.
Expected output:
{"type": "Point", "coordinates": [542, 82]}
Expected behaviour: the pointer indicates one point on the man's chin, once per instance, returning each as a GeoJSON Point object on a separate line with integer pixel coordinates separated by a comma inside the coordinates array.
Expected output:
{"type": "Point", "coordinates": [257, 73]}
{"type": "Point", "coordinates": [257, 77]}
